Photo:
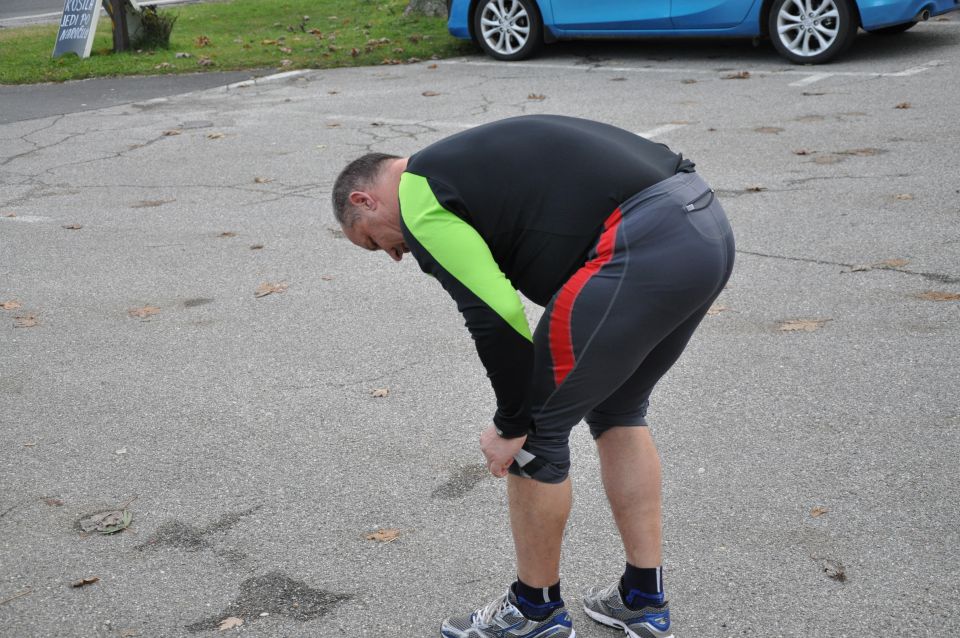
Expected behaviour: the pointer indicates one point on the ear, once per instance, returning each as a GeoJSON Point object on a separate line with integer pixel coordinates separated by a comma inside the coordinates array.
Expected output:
{"type": "Point", "coordinates": [360, 199]}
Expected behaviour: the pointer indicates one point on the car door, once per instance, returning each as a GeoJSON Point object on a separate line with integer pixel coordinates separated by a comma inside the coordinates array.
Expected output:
{"type": "Point", "coordinates": [709, 14]}
{"type": "Point", "coordinates": [611, 15]}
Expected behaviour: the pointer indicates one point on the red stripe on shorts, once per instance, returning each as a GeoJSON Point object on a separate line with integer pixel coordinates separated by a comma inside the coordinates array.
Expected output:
{"type": "Point", "coordinates": [561, 339]}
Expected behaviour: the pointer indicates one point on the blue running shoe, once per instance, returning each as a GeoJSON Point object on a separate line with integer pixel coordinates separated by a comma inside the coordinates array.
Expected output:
{"type": "Point", "coordinates": [606, 606]}
{"type": "Point", "coordinates": [502, 619]}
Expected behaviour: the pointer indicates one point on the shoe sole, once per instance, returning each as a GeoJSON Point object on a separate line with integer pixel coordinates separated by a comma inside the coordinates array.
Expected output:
{"type": "Point", "coordinates": [619, 624]}
{"type": "Point", "coordinates": [573, 634]}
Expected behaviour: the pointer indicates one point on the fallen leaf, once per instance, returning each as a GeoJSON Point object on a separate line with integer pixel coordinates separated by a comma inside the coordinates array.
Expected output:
{"type": "Point", "coordinates": [354, 52]}
{"type": "Point", "coordinates": [742, 75]}
{"type": "Point", "coordinates": [801, 325]}
{"type": "Point", "coordinates": [83, 582]}
{"type": "Point", "coordinates": [267, 288]}
{"type": "Point", "coordinates": [863, 152]}
{"type": "Point", "coordinates": [834, 570]}
{"type": "Point", "coordinates": [429, 94]}
{"type": "Point", "coordinates": [903, 105]}
{"type": "Point", "coordinates": [267, 43]}
{"type": "Point", "coordinates": [903, 197]}
{"type": "Point", "coordinates": [10, 305]}
{"type": "Point", "coordinates": [812, 93]}
{"type": "Point", "coordinates": [286, 50]}
{"type": "Point", "coordinates": [73, 226]}
{"type": "Point", "coordinates": [432, 66]}
{"type": "Point", "coordinates": [384, 535]}
{"type": "Point", "coordinates": [201, 41]}
{"type": "Point", "coordinates": [938, 295]}
{"type": "Point", "coordinates": [892, 263]}
{"type": "Point", "coordinates": [380, 393]}
{"type": "Point", "coordinates": [144, 312]}
{"type": "Point", "coordinates": [537, 97]}
{"type": "Point", "coordinates": [215, 136]}
{"type": "Point", "coordinates": [768, 129]}
{"type": "Point", "coordinates": [818, 511]}
{"type": "Point", "coordinates": [229, 623]}
{"type": "Point", "coordinates": [688, 81]}
{"type": "Point", "coordinates": [802, 151]}
{"type": "Point", "coordinates": [756, 188]}
{"type": "Point", "coordinates": [256, 247]}
{"type": "Point", "coordinates": [172, 132]}
{"type": "Point", "coordinates": [285, 63]}
{"type": "Point", "coordinates": [716, 309]}
{"type": "Point", "coordinates": [10, 215]}
{"type": "Point", "coordinates": [26, 321]}
{"type": "Point", "coordinates": [262, 180]}
{"type": "Point", "coordinates": [52, 501]}
{"type": "Point", "coordinates": [827, 159]}
{"type": "Point", "coordinates": [107, 522]}
{"type": "Point", "coordinates": [205, 61]}
{"type": "Point", "coordinates": [326, 277]}
{"type": "Point", "coordinates": [163, 65]}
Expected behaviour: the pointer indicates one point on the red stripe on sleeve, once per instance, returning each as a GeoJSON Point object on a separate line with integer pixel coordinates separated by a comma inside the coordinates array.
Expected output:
{"type": "Point", "coordinates": [561, 339]}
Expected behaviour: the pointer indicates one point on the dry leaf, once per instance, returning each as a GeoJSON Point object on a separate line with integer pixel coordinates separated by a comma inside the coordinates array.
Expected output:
{"type": "Point", "coordinates": [801, 151]}
{"type": "Point", "coordinates": [72, 226]}
{"type": "Point", "coordinates": [716, 309]}
{"type": "Point", "coordinates": [172, 132]}
{"type": "Point", "coordinates": [227, 233]}
{"type": "Point", "coordinates": [768, 129]}
{"type": "Point", "coordinates": [286, 50]}
{"type": "Point", "coordinates": [215, 136]}
{"type": "Point", "coordinates": [903, 197]}
{"type": "Point", "coordinates": [432, 66]}
{"type": "Point", "coordinates": [83, 582]}
{"type": "Point", "coordinates": [742, 75]}
{"type": "Point", "coordinates": [205, 61]}
{"type": "Point", "coordinates": [380, 393]}
{"type": "Point", "coordinates": [538, 97]}
{"type": "Point", "coordinates": [229, 623]}
{"type": "Point", "coordinates": [938, 295]}
{"type": "Point", "coordinates": [333, 125]}
{"type": "Point", "coordinates": [892, 263]}
{"type": "Point", "coordinates": [267, 288]}
{"type": "Point", "coordinates": [285, 63]}
{"type": "Point", "coordinates": [151, 203]}
{"type": "Point", "coordinates": [26, 321]}
{"type": "Point", "coordinates": [827, 159]}
{"type": "Point", "coordinates": [262, 180]}
{"type": "Point", "coordinates": [688, 81]}
{"type": "Point", "coordinates": [256, 247]}
{"type": "Point", "coordinates": [429, 94]}
{"type": "Point", "coordinates": [834, 570]}
{"type": "Point", "coordinates": [107, 522]}
{"type": "Point", "coordinates": [326, 277]}
{"type": "Point", "coordinates": [903, 105]}
{"type": "Point", "coordinates": [756, 188]}
{"type": "Point", "coordinates": [384, 535]}
{"type": "Point", "coordinates": [10, 305]}
{"type": "Point", "coordinates": [201, 41]}
{"type": "Point", "coordinates": [10, 215]}
{"type": "Point", "coordinates": [144, 312]}
{"type": "Point", "coordinates": [818, 511]}
{"type": "Point", "coordinates": [801, 325]}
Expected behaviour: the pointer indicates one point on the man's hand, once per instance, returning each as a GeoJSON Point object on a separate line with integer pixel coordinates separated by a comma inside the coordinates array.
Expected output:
{"type": "Point", "coordinates": [499, 451]}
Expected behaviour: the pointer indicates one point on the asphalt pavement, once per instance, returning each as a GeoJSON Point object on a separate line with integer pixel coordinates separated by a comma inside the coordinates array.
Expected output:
{"type": "Point", "coordinates": [809, 435]}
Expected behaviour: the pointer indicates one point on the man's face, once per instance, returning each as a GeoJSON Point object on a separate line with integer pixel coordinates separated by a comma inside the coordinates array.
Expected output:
{"type": "Point", "coordinates": [375, 231]}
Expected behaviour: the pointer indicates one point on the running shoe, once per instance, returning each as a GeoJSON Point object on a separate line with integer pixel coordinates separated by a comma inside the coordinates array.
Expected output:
{"type": "Point", "coordinates": [606, 606]}
{"type": "Point", "coordinates": [502, 619]}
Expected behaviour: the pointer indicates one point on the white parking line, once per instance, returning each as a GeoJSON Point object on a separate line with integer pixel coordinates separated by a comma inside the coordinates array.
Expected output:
{"type": "Point", "coordinates": [808, 77]}
{"type": "Point", "coordinates": [816, 77]}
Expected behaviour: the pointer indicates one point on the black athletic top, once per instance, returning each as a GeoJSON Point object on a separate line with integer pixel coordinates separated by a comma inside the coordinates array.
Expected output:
{"type": "Point", "coordinates": [516, 205]}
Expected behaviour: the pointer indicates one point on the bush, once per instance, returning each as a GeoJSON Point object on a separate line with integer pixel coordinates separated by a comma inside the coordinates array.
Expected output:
{"type": "Point", "coordinates": [155, 28]}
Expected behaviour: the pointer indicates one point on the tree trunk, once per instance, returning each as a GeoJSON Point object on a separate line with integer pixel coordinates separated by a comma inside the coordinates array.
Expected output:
{"type": "Point", "coordinates": [432, 8]}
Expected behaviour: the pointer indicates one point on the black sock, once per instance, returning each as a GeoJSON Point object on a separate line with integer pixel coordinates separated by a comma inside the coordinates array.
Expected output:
{"type": "Point", "coordinates": [536, 603]}
{"type": "Point", "coordinates": [641, 586]}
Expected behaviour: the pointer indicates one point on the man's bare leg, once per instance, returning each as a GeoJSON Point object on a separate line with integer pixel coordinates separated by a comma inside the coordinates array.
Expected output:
{"type": "Point", "coordinates": [630, 467]}
{"type": "Point", "coordinates": [538, 515]}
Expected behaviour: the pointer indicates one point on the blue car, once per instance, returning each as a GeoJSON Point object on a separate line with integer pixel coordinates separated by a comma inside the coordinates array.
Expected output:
{"type": "Point", "coordinates": [803, 31]}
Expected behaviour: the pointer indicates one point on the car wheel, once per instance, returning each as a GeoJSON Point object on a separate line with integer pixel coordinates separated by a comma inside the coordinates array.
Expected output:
{"type": "Point", "coordinates": [507, 29]}
{"type": "Point", "coordinates": [893, 30]}
{"type": "Point", "coordinates": [811, 31]}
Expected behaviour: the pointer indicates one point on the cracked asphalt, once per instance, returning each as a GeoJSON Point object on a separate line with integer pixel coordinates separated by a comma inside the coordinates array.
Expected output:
{"type": "Point", "coordinates": [810, 434]}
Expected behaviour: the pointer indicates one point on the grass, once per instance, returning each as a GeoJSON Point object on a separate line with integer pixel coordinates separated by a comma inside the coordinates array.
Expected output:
{"type": "Point", "coordinates": [242, 34]}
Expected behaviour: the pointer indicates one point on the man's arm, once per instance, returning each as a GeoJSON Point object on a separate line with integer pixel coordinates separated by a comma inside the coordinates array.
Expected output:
{"type": "Point", "coordinates": [451, 250]}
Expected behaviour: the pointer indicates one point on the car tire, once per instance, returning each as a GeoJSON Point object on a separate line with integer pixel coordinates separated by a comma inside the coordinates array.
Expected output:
{"type": "Point", "coordinates": [893, 30]}
{"type": "Point", "coordinates": [811, 31]}
{"type": "Point", "coordinates": [508, 29]}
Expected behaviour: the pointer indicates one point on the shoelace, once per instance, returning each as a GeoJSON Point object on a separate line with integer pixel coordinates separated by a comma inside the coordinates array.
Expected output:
{"type": "Point", "coordinates": [486, 614]}
{"type": "Point", "coordinates": [604, 594]}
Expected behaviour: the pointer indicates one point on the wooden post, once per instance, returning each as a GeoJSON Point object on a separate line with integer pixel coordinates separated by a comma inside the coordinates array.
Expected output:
{"type": "Point", "coordinates": [118, 14]}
